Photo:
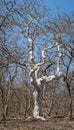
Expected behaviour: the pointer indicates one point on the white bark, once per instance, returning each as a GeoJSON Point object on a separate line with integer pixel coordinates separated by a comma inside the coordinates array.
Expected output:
{"type": "Point", "coordinates": [26, 34]}
{"type": "Point", "coordinates": [37, 112]}
{"type": "Point", "coordinates": [58, 60]}
{"type": "Point", "coordinates": [31, 50]}
{"type": "Point", "coordinates": [33, 71]}
{"type": "Point", "coordinates": [37, 98]}
{"type": "Point", "coordinates": [36, 106]}
{"type": "Point", "coordinates": [45, 49]}
{"type": "Point", "coordinates": [52, 77]}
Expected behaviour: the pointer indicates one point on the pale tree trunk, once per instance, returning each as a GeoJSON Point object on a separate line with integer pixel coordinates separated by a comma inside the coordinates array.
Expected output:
{"type": "Point", "coordinates": [34, 69]}
{"type": "Point", "coordinates": [37, 112]}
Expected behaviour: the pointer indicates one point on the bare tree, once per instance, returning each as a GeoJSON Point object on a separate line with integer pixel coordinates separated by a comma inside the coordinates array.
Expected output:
{"type": "Point", "coordinates": [6, 90]}
{"type": "Point", "coordinates": [26, 21]}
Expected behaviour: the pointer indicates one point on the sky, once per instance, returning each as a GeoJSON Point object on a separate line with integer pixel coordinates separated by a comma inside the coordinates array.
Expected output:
{"type": "Point", "coordinates": [65, 6]}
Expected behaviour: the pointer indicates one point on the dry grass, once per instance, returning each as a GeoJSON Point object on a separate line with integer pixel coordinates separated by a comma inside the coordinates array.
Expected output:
{"type": "Point", "coordinates": [51, 124]}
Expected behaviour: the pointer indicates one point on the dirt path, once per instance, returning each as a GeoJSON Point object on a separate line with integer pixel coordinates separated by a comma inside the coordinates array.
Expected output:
{"type": "Point", "coordinates": [37, 125]}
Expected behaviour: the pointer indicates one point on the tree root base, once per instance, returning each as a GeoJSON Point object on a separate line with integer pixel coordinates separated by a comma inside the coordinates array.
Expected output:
{"type": "Point", "coordinates": [30, 118]}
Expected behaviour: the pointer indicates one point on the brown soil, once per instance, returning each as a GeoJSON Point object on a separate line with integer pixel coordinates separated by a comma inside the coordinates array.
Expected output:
{"type": "Point", "coordinates": [51, 124]}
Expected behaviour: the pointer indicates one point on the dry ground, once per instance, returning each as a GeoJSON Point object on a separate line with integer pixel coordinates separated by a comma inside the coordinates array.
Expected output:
{"type": "Point", "coordinates": [51, 124]}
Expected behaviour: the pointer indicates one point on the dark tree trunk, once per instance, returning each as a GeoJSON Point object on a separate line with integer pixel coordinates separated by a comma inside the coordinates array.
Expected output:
{"type": "Point", "coordinates": [70, 104]}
